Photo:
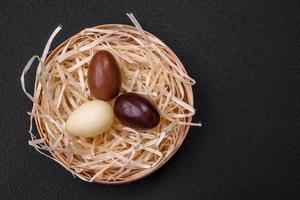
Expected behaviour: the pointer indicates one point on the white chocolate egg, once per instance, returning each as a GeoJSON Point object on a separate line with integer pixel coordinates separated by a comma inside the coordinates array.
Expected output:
{"type": "Point", "coordinates": [90, 119]}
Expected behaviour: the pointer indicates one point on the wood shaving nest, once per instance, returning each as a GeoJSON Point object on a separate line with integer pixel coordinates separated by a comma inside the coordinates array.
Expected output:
{"type": "Point", "coordinates": [149, 67]}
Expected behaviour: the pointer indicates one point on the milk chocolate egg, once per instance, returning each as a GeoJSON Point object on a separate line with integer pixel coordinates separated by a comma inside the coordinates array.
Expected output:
{"type": "Point", "coordinates": [104, 76]}
{"type": "Point", "coordinates": [135, 111]}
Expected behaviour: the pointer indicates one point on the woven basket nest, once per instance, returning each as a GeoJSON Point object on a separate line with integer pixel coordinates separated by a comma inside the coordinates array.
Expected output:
{"type": "Point", "coordinates": [120, 155]}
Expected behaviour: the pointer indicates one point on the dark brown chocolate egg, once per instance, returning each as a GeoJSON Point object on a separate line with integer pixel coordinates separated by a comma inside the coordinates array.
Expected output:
{"type": "Point", "coordinates": [104, 76]}
{"type": "Point", "coordinates": [135, 111]}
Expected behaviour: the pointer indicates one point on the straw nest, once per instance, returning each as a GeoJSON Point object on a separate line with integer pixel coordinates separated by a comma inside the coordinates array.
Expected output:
{"type": "Point", "coordinates": [149, 67]}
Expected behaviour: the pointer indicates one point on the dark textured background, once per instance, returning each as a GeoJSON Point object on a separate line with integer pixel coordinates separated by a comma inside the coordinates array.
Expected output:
{"type": "Point", "coordinates": [245, 58]}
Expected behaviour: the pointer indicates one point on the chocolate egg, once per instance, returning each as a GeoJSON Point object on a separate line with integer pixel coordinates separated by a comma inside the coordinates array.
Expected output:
{"type": "Point", "coordinates": [135, 111]}
{"type": "Point", "coordinates": [104, 76]}
{"type": "Point", "coordinates": [90, 119]}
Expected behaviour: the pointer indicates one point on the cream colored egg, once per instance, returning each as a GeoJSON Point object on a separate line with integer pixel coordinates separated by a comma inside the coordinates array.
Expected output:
{"type": "Point", "coordinates": [90, 119]}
